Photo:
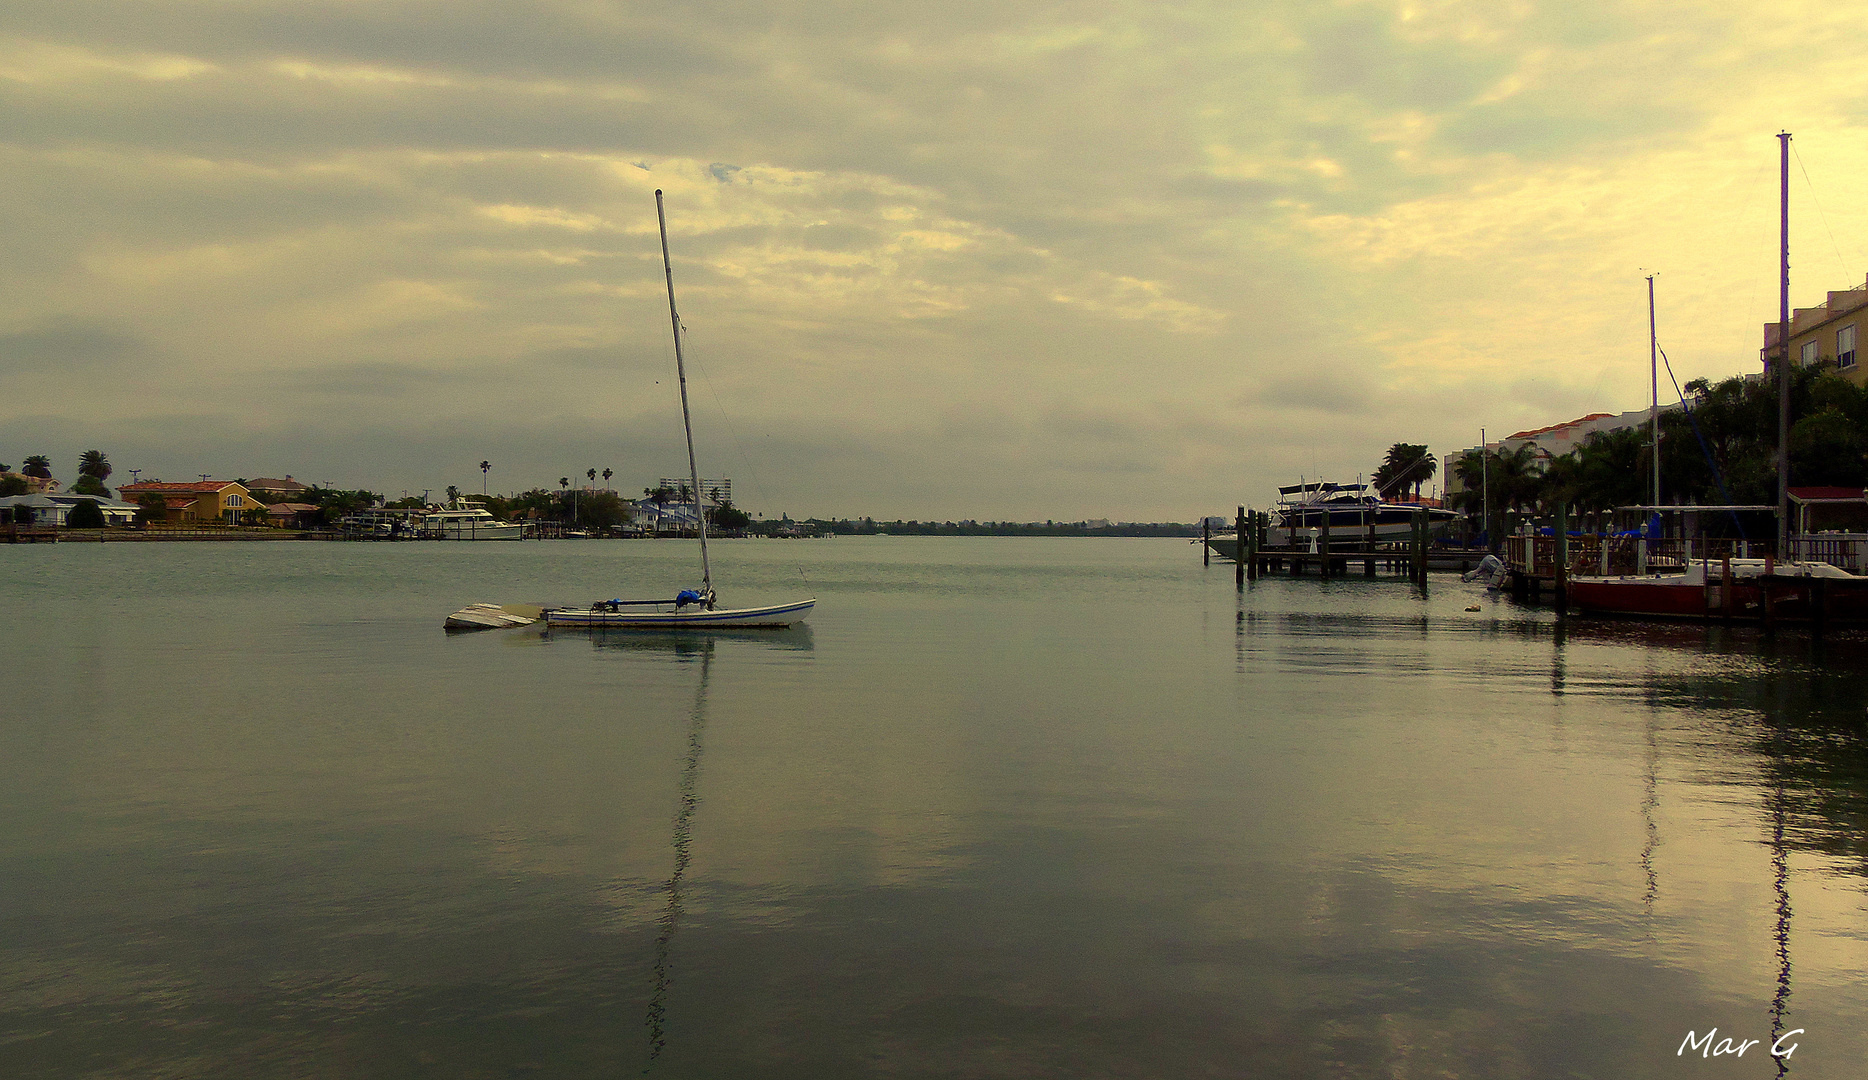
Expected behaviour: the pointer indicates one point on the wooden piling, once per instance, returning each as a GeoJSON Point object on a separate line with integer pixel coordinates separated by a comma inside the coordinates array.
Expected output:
{"type": "Point", "coordinates": [1238, 569]}
{"type": "Point", "coordinates": [1323, 545]}
{"type": "Point", "coordinates": [1417, 553]}
{"type": "Point", "coordinates": [1206, 540]}
{"type": "Point", "coordinates": [1251, 546]}
{"type": "Point", "coordinates": [1563, 558]}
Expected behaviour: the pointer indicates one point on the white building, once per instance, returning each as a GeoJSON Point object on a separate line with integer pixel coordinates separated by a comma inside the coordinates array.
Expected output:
{"type": "Point", "coordinates": [51, 509]}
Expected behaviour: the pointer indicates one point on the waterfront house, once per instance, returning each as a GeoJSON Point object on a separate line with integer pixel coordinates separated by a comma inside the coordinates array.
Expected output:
{"type": "Point", "coordinates": [202, 501]}
{"type": "Point", "coordinates": [277, 491]}
{"type": "Point", "coordinates": [290, 515]}
{"type": "Point", "coordinates": [35, 485]}
{"type": "Point", "coordinates": [52, 509]}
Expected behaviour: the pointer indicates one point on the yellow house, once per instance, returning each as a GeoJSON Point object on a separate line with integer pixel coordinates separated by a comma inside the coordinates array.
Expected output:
{"type": "Point", "coordinates": [1830, 334]}
{"type": "Point", "coordinates": [221, 501]}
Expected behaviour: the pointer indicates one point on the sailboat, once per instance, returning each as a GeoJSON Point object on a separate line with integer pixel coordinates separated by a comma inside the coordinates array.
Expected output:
{"type": "Point", "coordinates": [688, 608]}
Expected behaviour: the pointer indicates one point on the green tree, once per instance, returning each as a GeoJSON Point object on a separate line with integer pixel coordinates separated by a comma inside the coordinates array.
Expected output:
{"type": "Point", "coordinates": [12, 485]}
{"type": "Point", "coordinates": [727, 516]}
{"type": "Point", "coordinates": [90, 485]}
{"type": "Point", "coordinates": [1405, 464]}
{"type": "Point", "coordinates": [152, 509]}
{"type": "Point", "coordinates": [602, 509]}
{"type": "Point", "coordinates": [37, 466]}
{"type": "Point", "coordinates": [94, 463]}
{"type": "Point", "coordinates": [84, 515]}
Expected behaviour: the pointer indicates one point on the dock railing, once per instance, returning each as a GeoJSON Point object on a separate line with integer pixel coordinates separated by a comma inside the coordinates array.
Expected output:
{"type": "Point", "coordinates": [1537, 555]}
{"type": "Point", "coordinates": [1619, 555]}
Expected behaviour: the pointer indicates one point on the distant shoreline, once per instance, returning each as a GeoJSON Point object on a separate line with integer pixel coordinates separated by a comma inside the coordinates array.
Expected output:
{"type": "Point", "coordinates": [828, 530]}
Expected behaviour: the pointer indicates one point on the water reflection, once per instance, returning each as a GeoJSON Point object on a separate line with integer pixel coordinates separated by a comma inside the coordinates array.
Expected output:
{"type": "Point", "coordinates": [683, 834]}
{"type": "Point", "coordinates": [691, 643]}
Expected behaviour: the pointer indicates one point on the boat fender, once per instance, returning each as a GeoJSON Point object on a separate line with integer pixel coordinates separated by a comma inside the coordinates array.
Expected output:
{"type": "Point", "coordinates": [686, 597]}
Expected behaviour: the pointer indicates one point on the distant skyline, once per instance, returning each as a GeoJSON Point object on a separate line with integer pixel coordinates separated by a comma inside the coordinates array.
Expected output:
{"type": "Point", "coordinates": [993, 261]}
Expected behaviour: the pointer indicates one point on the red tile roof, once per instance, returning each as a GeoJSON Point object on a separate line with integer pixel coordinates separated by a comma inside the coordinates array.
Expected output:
{"type": "Point", "coordinates": [1810, 494]}
{"type": "Point", "coordinates": [159, 488]}
{"type": "Point", "coordinates": [1558, 427]}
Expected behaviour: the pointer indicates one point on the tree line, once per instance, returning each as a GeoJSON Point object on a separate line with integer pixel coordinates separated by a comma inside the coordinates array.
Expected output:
{"type": "Point", "coordinates": [1720, 450]}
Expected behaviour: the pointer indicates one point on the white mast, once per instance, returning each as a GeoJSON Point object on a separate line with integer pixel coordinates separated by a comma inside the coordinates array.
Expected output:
{"type": "Point", "coordinates": [1653, 372]}
{"type": "Point", "coordinates": [687, 424]}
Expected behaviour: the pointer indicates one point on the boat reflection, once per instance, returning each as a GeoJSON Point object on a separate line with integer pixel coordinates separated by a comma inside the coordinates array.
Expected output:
{"type": "Point", "coordinates": [688, 788]}
{"type": "Point", "coordinates": [689, 643]}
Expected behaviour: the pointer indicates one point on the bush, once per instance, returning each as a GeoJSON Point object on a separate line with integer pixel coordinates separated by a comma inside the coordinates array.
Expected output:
{"type": "Point", "coordinates": [85, 515]}
{"type": "Point", "coordinates": [151, 509]}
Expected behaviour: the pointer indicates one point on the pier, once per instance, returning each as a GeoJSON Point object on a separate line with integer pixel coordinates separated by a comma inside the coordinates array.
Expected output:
{"type": "Point", "coordinates": [1251, 549]}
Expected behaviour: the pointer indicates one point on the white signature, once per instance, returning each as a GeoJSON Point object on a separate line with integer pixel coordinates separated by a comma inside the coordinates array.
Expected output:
{"type": "Point", "coordinates": [1734, 1047]}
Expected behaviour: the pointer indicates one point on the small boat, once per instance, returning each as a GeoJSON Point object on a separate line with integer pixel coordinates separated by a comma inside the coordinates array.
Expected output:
{"type": "Point", "coordinates": [470, 521]}
{"type": "Point", "coordinates": [1704, 591]}
{"type": "Point", "coordinates": [492, 616]}
{"type": "Point", "coordinates": [690, 608]}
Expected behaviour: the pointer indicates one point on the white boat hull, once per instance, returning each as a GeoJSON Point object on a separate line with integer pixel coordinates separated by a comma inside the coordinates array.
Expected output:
{"type": "Point", "coordinates": [690, 618]}
{"type": "Point", "coordinates": [492, 530]}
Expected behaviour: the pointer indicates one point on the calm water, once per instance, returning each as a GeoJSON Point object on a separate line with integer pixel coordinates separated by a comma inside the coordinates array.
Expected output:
{"type": "Point", "coordinates": [1009, 808]}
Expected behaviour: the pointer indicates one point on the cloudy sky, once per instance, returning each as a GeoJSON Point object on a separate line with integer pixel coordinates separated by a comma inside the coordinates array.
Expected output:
{"type": "Point", "coordinates": [1135, 260]}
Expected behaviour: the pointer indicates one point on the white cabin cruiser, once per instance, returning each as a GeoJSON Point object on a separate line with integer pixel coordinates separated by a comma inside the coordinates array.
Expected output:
{"type": "Point", "coordinates": [470, 521]}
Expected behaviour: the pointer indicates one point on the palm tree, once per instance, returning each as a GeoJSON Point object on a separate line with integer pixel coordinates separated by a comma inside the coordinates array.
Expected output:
{"type": "Point", "coordinates": [94, 463]}
{"type": "Point", "coordinates": [606, 477]}
{"type": "Point", "coordinates": [1405, 463]}
{"type": "Point", "coordinates": [484, 466]}
{"type": "Point", "coordinates": [38, 466]}
{"type": "Point", "coordinates": [592, 473]}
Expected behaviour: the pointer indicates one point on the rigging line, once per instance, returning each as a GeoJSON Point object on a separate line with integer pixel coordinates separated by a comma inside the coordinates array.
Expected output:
{"type": "Point", "coordinates": [1833, 245]}
{"type": "Point", "coordinates": [758, 488]}
{"type": "Point", "coordinates": [1705, 450]}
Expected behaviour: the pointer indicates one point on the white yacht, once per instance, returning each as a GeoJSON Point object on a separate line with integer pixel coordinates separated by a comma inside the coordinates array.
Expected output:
{"type": "Point", "coordinates": [470, 521]}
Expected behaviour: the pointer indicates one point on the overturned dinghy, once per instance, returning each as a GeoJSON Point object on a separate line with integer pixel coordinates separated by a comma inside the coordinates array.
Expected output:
{"type": "Point", "coordinates": [492, 616]}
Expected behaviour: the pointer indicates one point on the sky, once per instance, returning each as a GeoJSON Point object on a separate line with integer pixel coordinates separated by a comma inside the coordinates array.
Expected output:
{"type": "Point", "coordinates": [999, 261]}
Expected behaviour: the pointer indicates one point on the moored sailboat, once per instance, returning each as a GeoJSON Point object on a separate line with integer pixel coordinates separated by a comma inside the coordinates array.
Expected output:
{"type": "Point", "coordinates": [688, 608]}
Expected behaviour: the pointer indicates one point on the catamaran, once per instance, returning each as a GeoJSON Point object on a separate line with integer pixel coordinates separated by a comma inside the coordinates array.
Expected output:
{"type": "Point", "coordinates": [688, 608]}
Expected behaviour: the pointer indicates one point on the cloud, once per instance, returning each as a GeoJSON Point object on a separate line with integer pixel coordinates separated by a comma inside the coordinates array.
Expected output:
{"type": "Point", "coordinates": [909, 245]}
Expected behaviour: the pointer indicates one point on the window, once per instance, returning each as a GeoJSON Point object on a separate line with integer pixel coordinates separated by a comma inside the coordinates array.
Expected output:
{"type": "Point", "coordinates": [1845, 347]}
{"type": "Point", "coordinates": [1808, 356]}
{"type": "Point", "coordinates": [233, 500]}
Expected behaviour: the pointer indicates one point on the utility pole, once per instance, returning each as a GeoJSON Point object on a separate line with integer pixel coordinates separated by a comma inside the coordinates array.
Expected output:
{"type": "Point", "coordinates": [1783, 347]}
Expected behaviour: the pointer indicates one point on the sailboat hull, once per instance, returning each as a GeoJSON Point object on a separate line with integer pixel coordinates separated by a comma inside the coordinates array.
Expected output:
{"type": "Point", "coordinates": [762, 618]}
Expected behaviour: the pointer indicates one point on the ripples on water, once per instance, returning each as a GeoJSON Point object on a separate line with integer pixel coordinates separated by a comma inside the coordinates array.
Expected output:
{"type": "Point", "coordinates": [1007, 807]}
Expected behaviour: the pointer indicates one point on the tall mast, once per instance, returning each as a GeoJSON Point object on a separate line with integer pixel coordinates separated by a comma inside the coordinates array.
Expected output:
{"type": "Point", "coordinates": [1485, 491]}
{"type": "Point", "coordinates": [1783, 346]}
{"type": "Point", "coordinates": [1653, 374]}
{"type": "Point", "coordinates": [687, 424]}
